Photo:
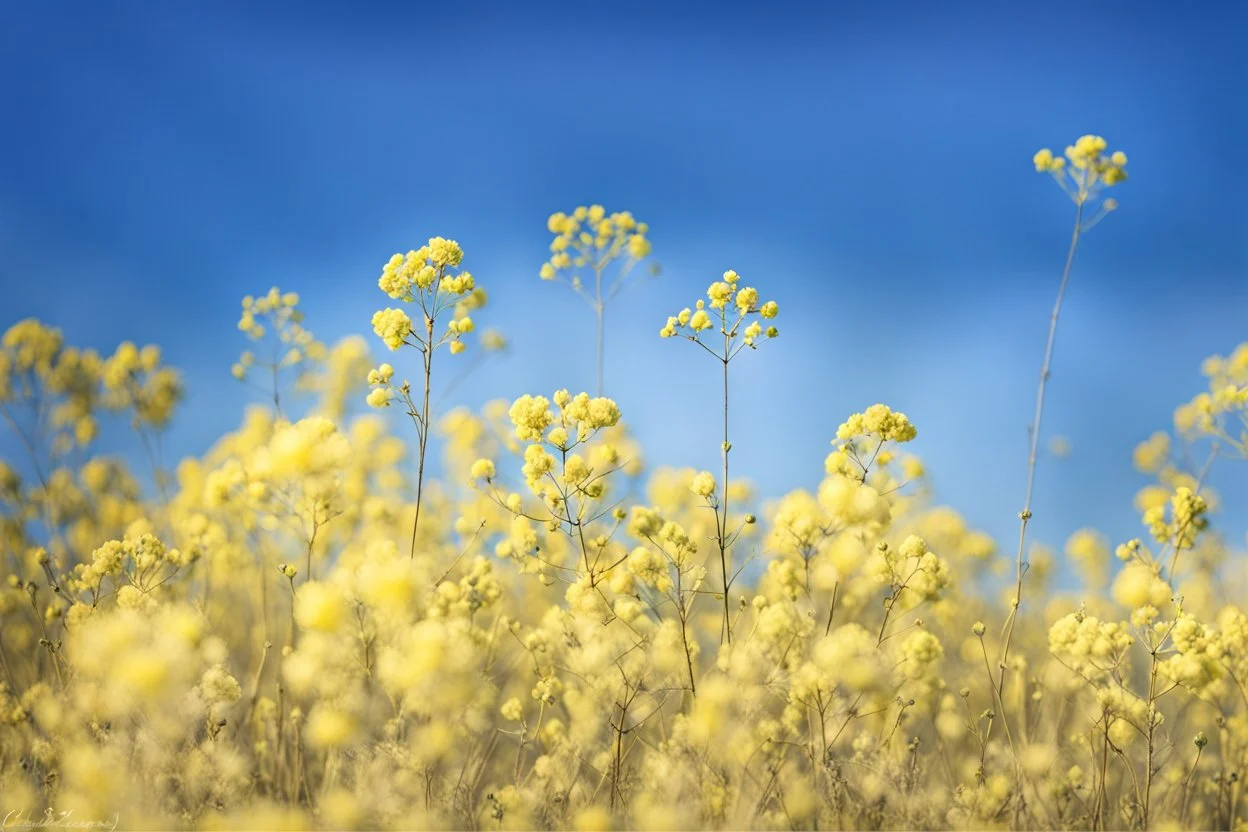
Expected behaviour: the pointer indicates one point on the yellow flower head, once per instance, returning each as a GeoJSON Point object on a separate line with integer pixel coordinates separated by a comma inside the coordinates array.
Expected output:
{"type": "Point", "coordinates": [392, 326]}
{"type": "Point", "coordinates": [1090, 171]}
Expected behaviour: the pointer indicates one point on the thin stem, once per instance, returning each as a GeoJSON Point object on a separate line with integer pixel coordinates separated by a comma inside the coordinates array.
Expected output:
{"type": "Point", "coordinates": [28, 443]}
{"type": "Point", "coordinates": [48, 644]}
{"type": "Point", "coordinates": [311, 545]}
{"type": "Point", "coordinates": [255, 690]}
{"type": "Point", "coordinates": [277, 392]}
{"type": "Point", "coordinates": [294, 630]}
{"type": "Point", "coordinates": [601, 310]}
{"type": "Point", "coordinates": [683, 610]}
{"type": "Point", "coordinates": [684, 635]}
{"type": "Point", "coordinates": [832, 610]}
{"type": "Point", "coordinates": [723, 503]}
{"type": "Point", "coordinates": [1152, 726]}
{"type": "Point", "coordinates": [423, 429]}
{"type": "Point", "coordinates": [619, 751]}
{"type": "Point", "coordinates": [1187, 787]}
{"type": "Point", "coordinates": [1025, 515]}
{"type": "Point", "coordinates": [1102, 794]}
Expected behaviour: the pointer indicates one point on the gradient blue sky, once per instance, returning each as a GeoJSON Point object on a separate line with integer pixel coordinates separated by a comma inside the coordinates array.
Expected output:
{"type": "Point", "coordinates": [866, 165]}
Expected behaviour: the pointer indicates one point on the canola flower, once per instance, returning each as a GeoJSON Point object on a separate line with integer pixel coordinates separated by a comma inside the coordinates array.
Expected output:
{"type": "Point", "coordinates": [256, 647]}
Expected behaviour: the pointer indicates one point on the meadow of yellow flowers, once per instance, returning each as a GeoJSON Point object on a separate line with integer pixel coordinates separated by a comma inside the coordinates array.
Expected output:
{"type": "Point", "coordinates": [307, 627]}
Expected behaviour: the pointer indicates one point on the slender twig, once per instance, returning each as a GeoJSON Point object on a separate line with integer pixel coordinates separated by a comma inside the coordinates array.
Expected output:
{"type": "Point", "coordinates": [1025, 515]}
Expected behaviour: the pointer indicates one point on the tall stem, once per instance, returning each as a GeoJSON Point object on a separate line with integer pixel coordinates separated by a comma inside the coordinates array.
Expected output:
{"type": "Point", "coordinates": [723, 503]}
{"type": "Point", "coordinates": [1025, 515]}
{"type": "Point", "coordinates": [1152, 726]}
{"type": "Point", "coordinates": [423, 432]}
{"type": "Point", "coordinates": [619, 755]}
{"type": "Point", "coordinates": [1102, 795]}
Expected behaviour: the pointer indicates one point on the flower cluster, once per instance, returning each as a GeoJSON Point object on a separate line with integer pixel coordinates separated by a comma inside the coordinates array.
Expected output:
{"type": "Point", "coordinates": [590, 238]}
{"type": "Point", "coordinates": [141, 561]}
{"type": "Point", "coordinates": [1088, 645]}
{"type": "Point", "coordinates": [1090, 171]}
{"type": "Point", "coordinates": [66, 389]}
{"type": "Point", "coordinates": [911, 571]}
{"type": "Point", "coordinates": [730, 307]}
{"type": "Point", "coordinates": [392, 326]}
{"type": "Point", "coordinates": [1187, 519]}
{"type": "Point", "coordinates": [431, 278]}
{"type": "Point", "coordinates": [579, 419]}
{"type": "Point", "coordinates": [135, 380]}
{"type": "Point", "coordinates": [274, 322]}
{"type": "Point", "coordinates": [382, 391]}
{"type": "Point", "coordinates": [880, 422]}
{"type": "Point", "coordinates": [1221, 413]}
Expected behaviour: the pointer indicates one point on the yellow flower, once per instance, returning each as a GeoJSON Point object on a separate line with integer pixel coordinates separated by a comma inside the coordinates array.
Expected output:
{"type": "Point", "coordinates": [531, 416]}
{"type": "Point", "coordinates": [392, 326]}
{"type": "Point", "coordinates": [1138, 585]}
{"type": "Point", "coordinates": [1091, 170]}
{"type": "Point", "coordinates": [319, 606]}
{"type": "Point", "coordinates": [703, 484]}
{"type": "Point", "coordinates": [512, 711]}
{"type": "Point", "coordinates": [878, 420]}
{"type": "Point", "coordinates": [445, 252]}
{"type": "Point", "coordinates": [331, 728]}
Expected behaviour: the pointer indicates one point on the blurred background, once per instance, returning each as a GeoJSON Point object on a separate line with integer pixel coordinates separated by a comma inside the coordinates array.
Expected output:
{"type": "Point", "coordinates": [867, 166]}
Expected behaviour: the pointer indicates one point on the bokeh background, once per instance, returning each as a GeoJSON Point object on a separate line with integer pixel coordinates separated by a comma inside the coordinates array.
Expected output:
{"type": "Point", "coordinates": [867, 165]}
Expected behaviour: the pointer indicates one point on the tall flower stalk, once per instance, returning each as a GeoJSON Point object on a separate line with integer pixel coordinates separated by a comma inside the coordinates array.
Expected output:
{"type": "Point", "coordinates": [431, 279]}
{"type": "Point", "coordinates": [590, 242]}
{"type": "Point", "coordinates": [735, 311]}
{"type": "Point", "coordinates": [1084, 180]}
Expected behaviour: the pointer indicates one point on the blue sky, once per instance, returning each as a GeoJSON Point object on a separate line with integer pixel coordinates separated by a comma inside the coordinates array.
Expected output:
{"type": "Point", "coordinates": [866, 165]}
